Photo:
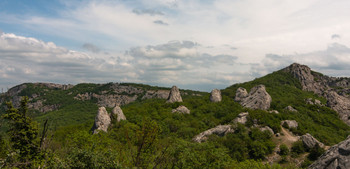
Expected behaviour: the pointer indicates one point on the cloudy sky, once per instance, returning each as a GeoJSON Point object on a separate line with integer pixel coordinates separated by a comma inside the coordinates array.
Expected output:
{"type": "Point", "coordinates": [194, 44]}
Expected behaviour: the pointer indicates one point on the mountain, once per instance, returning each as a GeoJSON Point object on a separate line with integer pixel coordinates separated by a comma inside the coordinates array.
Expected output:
{"type": "Point", "coordinates": [288, 118]}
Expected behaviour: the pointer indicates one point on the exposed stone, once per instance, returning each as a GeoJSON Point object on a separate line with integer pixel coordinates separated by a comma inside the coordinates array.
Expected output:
{"type": "Point", "coordinates": [290, 108]}
{"type": "Point", "coordinates": [181, 110]}
{"type": "Point", "coordinates": [220, 130]}
{"type": "Point", "coordinates": [241, 94]}
{"type": "Point", "coordinates": [274, 111]}
{"type": "Point", "coordinates": [118, 112]}
{"type": "Point", "coordinates": [290, 123]}
{"type": "Point", "coordinates": [310, 142]}
{"type": "Point", "coordinates": [336, 157]}
{"type": "Point", "coordinates": [340, 104]}
{"type": "Point", "coordinates": [304, 75]}
{"type": "Point", "coordinates": [317, 102]}
{"type": "Point", "coordinates": [174, 95]}
{"type": "Point", "coordinates": [107, 100]}
{"type": "Point", "coordinates": [215, 95]}
{"type": "Point", "coordinates": [267, 128]}
{"type": "Point", "coordinates": [102, 121]}
{"type": "Point", "coordinates": [257, 98]}
{"type": "Point", "coordinates": [241, 118]}
{"type": "Point", "coordinates": [310, 101]}
{"type": "Point", "coordinates": [161, 94]}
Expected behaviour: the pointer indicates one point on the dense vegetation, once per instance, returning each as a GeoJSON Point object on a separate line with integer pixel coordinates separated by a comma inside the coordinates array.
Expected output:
{"type": "Point", "coordinates": [153, 137]}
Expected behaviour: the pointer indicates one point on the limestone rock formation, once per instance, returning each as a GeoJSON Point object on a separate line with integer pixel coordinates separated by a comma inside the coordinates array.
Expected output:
{"type": "Point", "coordinates": [310, 142]}
{"type": "Point", "coordinates": [215, 95]}
{"type": "Point", "coordinates": [241, 94]}
{"type": "Point", "coordinates": [102, 121]}
{"type": "Point", "coordinates": [181, 110]}
{"type": "Point", "coordinates": [303, 73]}
{"type": "Point", "coordinates": [241, 118]}
{"type": "Point", "coordinates": [220, 130]}
{"type": "Point", "coordinates": [340, 104]}
{"type": "Point", "coordinates": [336, 157]}
{"type": "Point", "coordinates": [267, 128]}
{"type": "Point", "coordinates": [161, 94]}
{"type": "Point", "coordinates": [290, 108]}
{"type": "Point", "coordinates": [174, 95]}
{"type": "Point", "coordinates": [257, 98]}
{"type": "Point", "coordinates": [310, 101]}
{"type": "Point", "coordinates": [290, 123]}
{"type": "Point", "coordinates": [118, 112]}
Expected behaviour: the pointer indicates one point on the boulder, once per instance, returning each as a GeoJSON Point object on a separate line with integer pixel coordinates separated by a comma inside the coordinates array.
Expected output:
{"type": "Point", "coordinates": [336, 157]}
{"type": "Point", "coordinates": [340, 104]}
{"type": "Point", "coordinates": [290, 123]}
{"type": "Point", "coordinates": [181, 110]}
{"type": "Point", "coordinates": [257, 98]}
{"type": "Point", "coordinates": [274, 111]}
{"type": "Point", "coordinates": [241, 94]}
{"type": "Point", "coordinates": [290, 108]}
{"type": "Point", "coordinates": [267, 128]}
{"type": "Point", "coordinates": [118, 112]}
{"type": "Point", "coordinates": [215, 95]}
{"type": "Point", "coordinates": [310, 142]}
{"type": "Point", "coordinates": [220, 130]}
{"type": "Point", "coordinates": [241, 118]}
{"type": "Point", "coordinates": [174, 95]}
{"type": "Point", "coordinates": [310, 101]}
{"type": "Point", "coordinates": [102, 121]}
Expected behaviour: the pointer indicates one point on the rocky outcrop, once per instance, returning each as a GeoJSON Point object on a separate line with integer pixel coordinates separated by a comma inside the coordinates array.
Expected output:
{"type": "Point", "coordinates": [241, 94]}
{"type": "Point", "coordinates": [181, 110]}
{"type": "Point", "coordinates": [304, 75]}
{"type": "Point", "coordinates": [220, 130]}
{"type": "Point", "coordinates": [215, 95]}
{"type": "Point", "coordinates": [290, 108]}
{"type": "Point", "coordinates": [160, 94]}
{"type": "Point", "coordinates": [340, 104]}
{"type": "Point", "coordinates": [290, 123]}
{"type": "Point", "coordinates": [241, 118]}
{"type": "Point", "coordinates": [107, 100]}
{"type": "Point", "coordinates": [267, 128]}
{"type": "Point", "coordinates": [102, 121]}
{"type": "Point", "coordinates": [257, 98]}
{"type": "Point", "coordinates": [336, 157]}
{"type": "Point", "coordinates": [310, 101]}
{"type": "Point", "coordinates": [174, 95]}
{"type": "Point", "coordinates": [310, 142]}
{"type": "Point", "coordinates": [118, 113]}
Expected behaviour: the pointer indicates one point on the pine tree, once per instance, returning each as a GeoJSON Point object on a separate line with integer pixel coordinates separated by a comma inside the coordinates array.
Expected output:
{"type": "Point", "coordinates": [23, 132]}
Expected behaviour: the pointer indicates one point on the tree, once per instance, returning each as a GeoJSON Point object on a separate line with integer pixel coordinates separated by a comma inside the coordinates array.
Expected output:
{"type": "Point", "coordinates": [23, 132]}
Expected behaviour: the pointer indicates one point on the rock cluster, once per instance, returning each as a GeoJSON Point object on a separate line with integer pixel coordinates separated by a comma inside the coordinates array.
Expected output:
{"type": "Point", "coordinates": [174, 95]}
{"type": "Point", "coordinates": [220, 130]}
{"type": "Point", "coordinates": [336, 157]}
{"type": "Point", "coordinates": [310, 142]}
{"type": "Point", "coordinates": [290, 123]}
{"type": "Point", "coordinates": [340, 104]}
{"type": "Point", "coordinates": [181, 110]}
{"type": "Point", "coordinates": [118, 112]}
{"type": "Point", "coordinates": [304, 75]}
{"type": "Point", "coordinates": [290, 108]}
{"type": "Point", "coordinates": [310, 101]}
{"type": "Point", "coordinates": [215, 95]}
{"type": "Point", "coordinates": [257, 98]}
{"type": "Point", "coordinates": [102, 121]}
{"type": "Point", "coordinates": [241, 118]}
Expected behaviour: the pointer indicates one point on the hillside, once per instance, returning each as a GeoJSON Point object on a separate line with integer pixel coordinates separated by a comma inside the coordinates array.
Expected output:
{"type": "Point", "coordinates": [154, 137]}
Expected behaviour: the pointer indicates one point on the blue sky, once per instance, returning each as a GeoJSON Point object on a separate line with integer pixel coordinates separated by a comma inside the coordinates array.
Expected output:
{"type": "Point", "coordinates": [194, 44]}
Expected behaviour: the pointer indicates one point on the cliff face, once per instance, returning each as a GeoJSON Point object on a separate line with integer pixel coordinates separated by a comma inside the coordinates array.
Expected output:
{"type": "Point", "coordinates": [42, 95]}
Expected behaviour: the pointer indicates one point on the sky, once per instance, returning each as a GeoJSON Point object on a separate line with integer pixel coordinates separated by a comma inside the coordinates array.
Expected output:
{"type": "Point", "coordinates": [194, 44]}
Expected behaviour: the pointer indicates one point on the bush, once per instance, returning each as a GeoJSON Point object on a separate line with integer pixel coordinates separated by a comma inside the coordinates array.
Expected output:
{"type": "Point", "coordinates": [284, 150]}
{"type": "Point", "coordinates": [315, 152]}
{"type": "Point", "coordinates": [298, 147]}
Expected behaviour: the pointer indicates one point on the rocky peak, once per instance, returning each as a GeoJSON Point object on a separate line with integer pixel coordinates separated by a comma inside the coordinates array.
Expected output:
{"type": "Point", "coordinates": [304, 75]}
{"type": "Point", "coordinates": [102, 121]}
{"type": "Point", "coordinates": [118, 112]}
{"type": "Point", "coordinates": [174, 95]}
{"type": "Point", "coordinates": [257, 98]}
{"type": "Point", "coordinates": [215, 95]}
{"type": "Point", "coordinates": [336, 157]}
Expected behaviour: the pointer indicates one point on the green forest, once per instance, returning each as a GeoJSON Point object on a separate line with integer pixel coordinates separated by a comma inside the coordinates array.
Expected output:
{"type": "Point", "coordinates": [154, 137]}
